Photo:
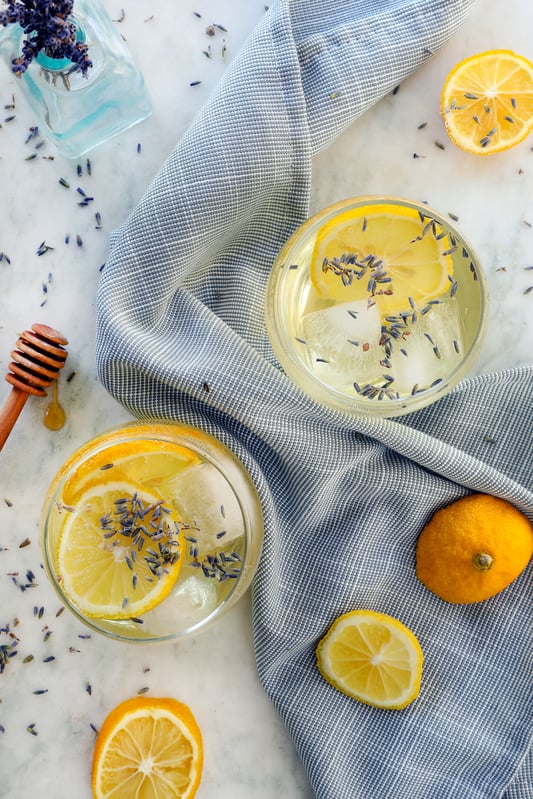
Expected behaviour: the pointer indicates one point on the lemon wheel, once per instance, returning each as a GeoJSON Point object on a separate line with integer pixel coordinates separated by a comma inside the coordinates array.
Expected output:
{"type": "Point", "coordinates": [487, 102]}
{"type": "Point", "coordinates": [145, 462]}
{"type": "Point", "coordinates": [119, 552]}
{"type": "Point", "coordinates": [391, 255]}
{"type": "Point", "coordinates": [373, 658]}
{"type": "Point", "coordinates": [148, 747]}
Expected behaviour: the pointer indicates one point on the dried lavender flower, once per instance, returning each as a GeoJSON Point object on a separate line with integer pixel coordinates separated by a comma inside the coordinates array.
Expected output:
{"type": "Point", "coordinates": [49, 27]}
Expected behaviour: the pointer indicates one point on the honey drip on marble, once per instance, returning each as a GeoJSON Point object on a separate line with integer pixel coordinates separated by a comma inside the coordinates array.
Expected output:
{"type": "Point", "coordinates": [54, 415]}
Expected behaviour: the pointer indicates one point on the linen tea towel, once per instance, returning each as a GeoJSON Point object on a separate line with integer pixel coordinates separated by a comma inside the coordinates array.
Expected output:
{"type": "Point", "coordinates": [180, 308]}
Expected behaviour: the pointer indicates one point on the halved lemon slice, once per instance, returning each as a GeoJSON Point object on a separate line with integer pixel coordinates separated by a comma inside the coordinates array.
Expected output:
{"type": "Point", "coordinates": [148, 748]}
{"type": "Point", "coordinates": [404, 252]}
{"type": "Point", "coordinates": [146, 462]}
{"type": "Point", "coordinates": [372, 657]}
{"type": "Point", "coordinates": [487, 102]}
{"type": "Point", "coordinates": [120, 551]}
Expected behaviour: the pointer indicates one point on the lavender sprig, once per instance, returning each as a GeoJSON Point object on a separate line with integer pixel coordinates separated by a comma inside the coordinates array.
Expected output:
{"type": "Point", "coordinates": [49, 28]}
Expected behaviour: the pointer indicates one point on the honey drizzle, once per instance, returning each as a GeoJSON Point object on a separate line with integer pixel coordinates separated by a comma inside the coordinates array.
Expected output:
{"type": "Point", "coordinates": [54, 415]}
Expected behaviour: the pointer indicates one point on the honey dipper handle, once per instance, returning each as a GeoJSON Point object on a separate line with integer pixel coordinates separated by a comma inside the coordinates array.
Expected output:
{"type": "Point", "coordinates": [10, 412]}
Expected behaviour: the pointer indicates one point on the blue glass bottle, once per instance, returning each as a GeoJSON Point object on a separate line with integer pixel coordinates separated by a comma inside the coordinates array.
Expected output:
{"type": "Point", "coordinates": [75, 112]}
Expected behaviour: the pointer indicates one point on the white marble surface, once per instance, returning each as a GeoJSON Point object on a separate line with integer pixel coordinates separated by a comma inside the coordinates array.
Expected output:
{"type": "Point", "coordinates": [248, 753]}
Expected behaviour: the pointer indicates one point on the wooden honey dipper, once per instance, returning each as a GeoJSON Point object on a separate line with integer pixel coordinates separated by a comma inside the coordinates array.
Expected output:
{"type": "Point", "coordinates": [36, 362]}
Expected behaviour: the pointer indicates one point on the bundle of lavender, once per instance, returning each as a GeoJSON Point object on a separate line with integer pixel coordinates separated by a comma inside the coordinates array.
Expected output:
{"type": "Point", "coordinates": [49, 28]}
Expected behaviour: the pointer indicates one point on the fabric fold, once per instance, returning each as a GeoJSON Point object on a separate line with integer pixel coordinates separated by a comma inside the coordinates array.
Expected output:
{"type": "Point", "coordinates": [181, 336]}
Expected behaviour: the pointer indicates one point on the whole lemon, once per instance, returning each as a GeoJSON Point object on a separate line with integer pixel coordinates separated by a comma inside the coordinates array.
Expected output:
{"type": "Point", "coordinates": [473, 548]}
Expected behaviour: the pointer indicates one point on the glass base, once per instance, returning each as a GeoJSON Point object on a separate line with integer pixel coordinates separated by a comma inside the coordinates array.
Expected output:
{"type": "Point", "coordinates": [78, 113]}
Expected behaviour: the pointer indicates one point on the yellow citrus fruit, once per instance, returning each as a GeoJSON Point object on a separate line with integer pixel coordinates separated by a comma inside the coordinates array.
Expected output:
{"type": "Point", "coordinates": [149, 749]}
{"type": "Point", "coordinates": [120, 551]}
{"type": "Point", "coordinates": [473, 548]}
{"type": "Point", "coordinates": [393, 244]}
{"type": "Point", "coordinates": [372, 657]}
{"type": "Point", "coordinates": [487, 102]}
{"type": "Point", "coordinates": [146, 462]}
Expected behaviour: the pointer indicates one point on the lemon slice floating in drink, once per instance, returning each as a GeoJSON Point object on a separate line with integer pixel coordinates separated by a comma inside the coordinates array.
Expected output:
{"type": "Point", "coordinates": [120, 550]}
{"type": "Point", "coordinates": [144, 462]}
{"type": "Point", "coordinates": [392, 256]}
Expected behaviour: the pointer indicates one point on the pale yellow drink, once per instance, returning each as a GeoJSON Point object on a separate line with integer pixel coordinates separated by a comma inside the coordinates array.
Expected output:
{"type": "Point", "coordinates": [376, 306]}
{"type": "Point", "coordinates": [150, 531]}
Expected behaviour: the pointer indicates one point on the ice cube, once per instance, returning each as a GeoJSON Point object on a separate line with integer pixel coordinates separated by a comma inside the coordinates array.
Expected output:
{"type": "Point", "coordinates": [430, 350]}
{"type": "Point", "coordinates": [192, 601]}
{"type": "Point", "coordinates": [208, 503]}
{"type": "Point", "coordinates": [342, 342]}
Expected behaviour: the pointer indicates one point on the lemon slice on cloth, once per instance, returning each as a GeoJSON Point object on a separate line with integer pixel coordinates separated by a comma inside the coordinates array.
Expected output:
{"type": "Point", "coordinates": [373, 658]}
{"type": "Point", "coordinates": [391, 255]}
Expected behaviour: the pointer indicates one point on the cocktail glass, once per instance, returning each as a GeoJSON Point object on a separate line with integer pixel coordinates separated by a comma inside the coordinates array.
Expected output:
{"type": "Point", "coordinates": [178, 502]}
{"type": "Point", "coordinates": [376, 306]}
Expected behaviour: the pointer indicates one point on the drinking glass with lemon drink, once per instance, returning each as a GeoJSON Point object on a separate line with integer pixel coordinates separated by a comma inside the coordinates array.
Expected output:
{"type": "Point", "coordinates": [151, 531]}
{"type": "Point", "coordinates": [376, 305]}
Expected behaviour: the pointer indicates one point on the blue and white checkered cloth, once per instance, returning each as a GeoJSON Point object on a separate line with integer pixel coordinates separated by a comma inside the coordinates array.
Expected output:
{"type": "Point", "coordinates": [181, 309]}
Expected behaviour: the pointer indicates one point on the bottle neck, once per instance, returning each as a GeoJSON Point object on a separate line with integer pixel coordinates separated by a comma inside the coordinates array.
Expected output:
{"type": "Point", "coordinates": [60, 64]}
